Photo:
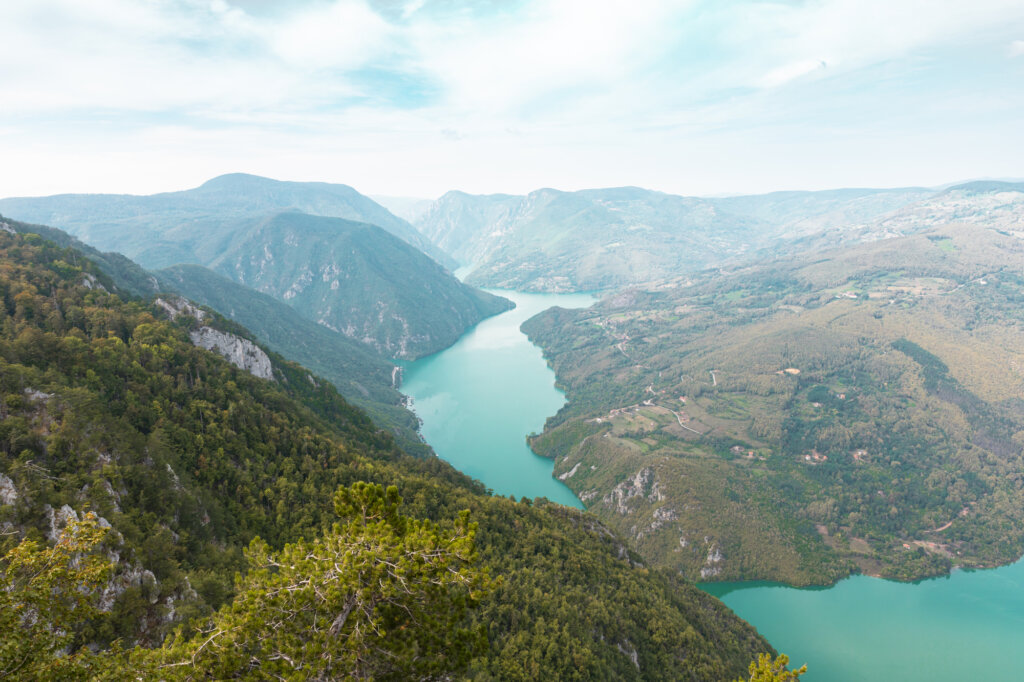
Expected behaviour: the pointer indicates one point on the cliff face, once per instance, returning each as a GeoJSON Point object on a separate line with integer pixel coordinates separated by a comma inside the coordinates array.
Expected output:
{"type": "Point", "coordinates": [239, 352]}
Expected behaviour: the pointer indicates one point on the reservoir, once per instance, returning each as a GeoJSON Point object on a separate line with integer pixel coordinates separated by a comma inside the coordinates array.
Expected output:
{"type": "Point", "coordinates": [481, 397]}
{"type": "Point", "coordinates": [968, 626]}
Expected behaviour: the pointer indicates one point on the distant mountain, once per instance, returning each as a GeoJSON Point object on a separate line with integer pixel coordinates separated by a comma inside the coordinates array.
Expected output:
{"type": "Point", "coordinates": [988, 203]}
{"type": "Point", "coordinates": [368, 279]}
{"type": "Point", "coordinates": [596, 239]}
{"type": "Point", "coordinates": [362, 376]}
{"type": "Point", "coordinates": [356, 279]}
{"type": "Point", "coordinates": [190, 226]}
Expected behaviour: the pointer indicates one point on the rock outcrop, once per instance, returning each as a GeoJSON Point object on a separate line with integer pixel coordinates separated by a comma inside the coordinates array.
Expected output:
{"type": "Point", "coordinates": [8, 491]}
{"type": "Point", "coordinates": [241, 353]}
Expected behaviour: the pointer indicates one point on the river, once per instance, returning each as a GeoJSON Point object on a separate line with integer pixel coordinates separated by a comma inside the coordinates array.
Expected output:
{"type": "Point", "coordinates": [481, 397]}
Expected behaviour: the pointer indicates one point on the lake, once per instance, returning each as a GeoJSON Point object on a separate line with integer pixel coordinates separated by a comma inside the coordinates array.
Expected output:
{"type": "Point", "coordinates": [968, 626]}
{"type": "Point", "coordinates": [481, 397]}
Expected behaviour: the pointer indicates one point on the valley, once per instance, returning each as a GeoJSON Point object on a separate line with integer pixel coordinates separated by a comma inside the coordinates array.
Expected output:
{"type": "Point", "coordinates": [511, 341]}
{"type": "Point", "coordinates": [804, 415]}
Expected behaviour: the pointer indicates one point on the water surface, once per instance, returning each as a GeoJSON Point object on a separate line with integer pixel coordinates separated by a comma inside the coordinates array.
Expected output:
{"type": "Point", "coordinates": [968, 626]}
{"type": "Point", "coordinates": [480, 398]}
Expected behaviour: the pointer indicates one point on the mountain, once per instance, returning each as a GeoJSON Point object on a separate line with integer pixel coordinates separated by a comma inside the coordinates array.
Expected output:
{"type": "Point", "coordinates": [848, 409]}
{"type": "Point", "coordinates": [190, 226]}
{"type": "Point", "coordinates": [362, 376]}
{"type": "Point", "coordinates": [408, 305]}
{"type": "Point", "coordinates": [355, 279]}
{"type": "Point", "coordinates": [189, 441]}
{"type": "Point", "coordinates": [606, 238]}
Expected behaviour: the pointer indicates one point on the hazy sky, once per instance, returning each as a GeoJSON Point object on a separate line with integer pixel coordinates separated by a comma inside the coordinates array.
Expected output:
{"type": "Point", "coordinates": [416, 97]}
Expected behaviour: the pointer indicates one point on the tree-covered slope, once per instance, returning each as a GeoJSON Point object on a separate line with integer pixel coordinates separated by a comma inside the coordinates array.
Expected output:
{"type": "Point", "coordinates": [361, 375]}
{"type": "Point", "coordinates": [107, 405]}
{"type": "Point", "coordinates": [858, 408]}
{"type": "Point", "coordinates": [605, 238]}
{"type": "Point", "coordinates": [356, 279]}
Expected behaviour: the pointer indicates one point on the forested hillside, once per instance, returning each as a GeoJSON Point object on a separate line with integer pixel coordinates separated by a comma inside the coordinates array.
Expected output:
{"type": "Point", "coordinates": [853, 409]}
{"type": "Point", "coordinates": [362, 376]}
{"type": "Point", "coordinates": [109, 407]}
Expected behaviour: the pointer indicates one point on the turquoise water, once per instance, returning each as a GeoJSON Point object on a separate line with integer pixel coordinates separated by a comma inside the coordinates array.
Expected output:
{"type": "Point", "coordinates": [480, 398]}
{"type": "Point", "coordinates": [968, 626]}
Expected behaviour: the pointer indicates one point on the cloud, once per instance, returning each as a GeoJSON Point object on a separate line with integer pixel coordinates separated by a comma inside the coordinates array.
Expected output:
{"type": "Point", "coordinates": [652, 91]}
{"type": "Point", "coordinates": [345, 35]}
{"type": "Point", "coordinates": [786, 73]}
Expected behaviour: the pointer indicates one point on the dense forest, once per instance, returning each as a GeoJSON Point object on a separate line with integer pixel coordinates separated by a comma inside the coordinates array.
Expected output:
{"type": "Point", "coordinates": [853, 409]}
{"type": "Point", "coordinates": [187, 493]}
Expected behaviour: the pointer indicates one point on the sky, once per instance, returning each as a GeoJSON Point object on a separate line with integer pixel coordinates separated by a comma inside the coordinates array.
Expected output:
{"type": "Point", "coordinates": [418, 97]}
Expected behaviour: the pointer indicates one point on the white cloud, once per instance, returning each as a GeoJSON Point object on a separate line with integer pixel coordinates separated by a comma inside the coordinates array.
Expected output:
{"type": "Point", "coordinates": [671, 94]}
{"type": "Point", "coordinates": [788, 72]}
{"type": "Point", "coordinates": [550, 49]}
{"type": "Point", "coordinates": [345, 34]}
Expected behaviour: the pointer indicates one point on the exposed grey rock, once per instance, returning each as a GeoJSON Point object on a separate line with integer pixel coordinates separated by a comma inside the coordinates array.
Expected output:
{"type": "Point", "coordinates": [58, 520]}
{"type": "Point", "coordinates": [8, 491]}
{"type": "Point", "coordinates": [240, 352]}
{"type": "Point", "coordinates": [629, 650]}
{"type": "Point", "coordinates": [711, 567]}
{"type": "Point", "coordinates": [90, 282]}
{"type": "Point", "coordinates": [37, 396]}
{"type": "Point", "coordinates": [642, 484]}
{"type": "Point", "coordinates": [176, 305]}
{"type": "Point", "coordinates": [570, 473]}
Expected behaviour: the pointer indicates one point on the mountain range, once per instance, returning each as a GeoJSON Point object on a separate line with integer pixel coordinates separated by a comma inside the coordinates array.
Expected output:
{"type": "Point", "coordinates": [336, 256]}
{"type": "Point", "coordinates": [602, 239]}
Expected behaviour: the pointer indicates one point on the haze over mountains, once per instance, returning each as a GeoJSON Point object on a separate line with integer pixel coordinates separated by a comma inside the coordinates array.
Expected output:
{"type": "Point", "coordinates": [193, 226]}
{"type": "Point", "coordinates": [339, 258]}
{"type": "Point", "coordinates": [601, 239]}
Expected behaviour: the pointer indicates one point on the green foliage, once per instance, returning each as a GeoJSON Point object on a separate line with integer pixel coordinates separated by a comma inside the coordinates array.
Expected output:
{"type": "Point", "coordinates": [359, 373]}
{"type": "Point", "coordinates": [765, 669]}
{"type": "Point", "coordinates": [108, 407]}
{"type": "Point", "coordinates": [46, 594]}
{"type": "Point", "coordinates": [380, 596]}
